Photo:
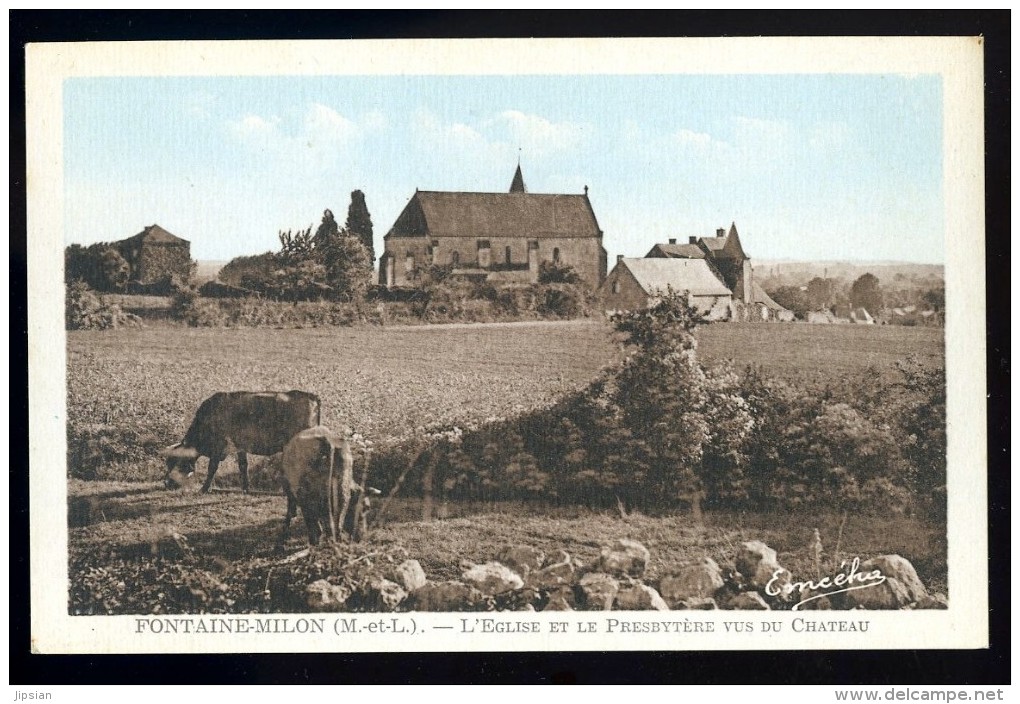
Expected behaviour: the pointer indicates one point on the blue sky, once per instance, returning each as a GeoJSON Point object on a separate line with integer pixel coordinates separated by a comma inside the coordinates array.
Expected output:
{"type": "Point", "coordinates": [810, 167]}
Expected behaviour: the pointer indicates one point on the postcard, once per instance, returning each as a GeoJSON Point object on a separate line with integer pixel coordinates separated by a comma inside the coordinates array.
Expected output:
{"type": "Point", "coordinates": [507, 345]}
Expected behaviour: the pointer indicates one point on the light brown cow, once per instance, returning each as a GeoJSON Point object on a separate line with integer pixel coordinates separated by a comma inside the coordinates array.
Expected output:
{"type": "Point", "coordinates": [318, 477]}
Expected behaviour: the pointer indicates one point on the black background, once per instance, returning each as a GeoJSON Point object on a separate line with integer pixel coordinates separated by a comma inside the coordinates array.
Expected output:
{"type": "Point", "coordinates": [811, 667]}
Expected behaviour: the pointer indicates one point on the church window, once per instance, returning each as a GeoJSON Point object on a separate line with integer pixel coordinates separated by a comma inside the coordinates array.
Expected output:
{"type": "Point", "coordinates": [556, 255]}
{"type": "Point", "coordinates": [508, 254]}
{"type": "Point", "coordinates": [455, 258]}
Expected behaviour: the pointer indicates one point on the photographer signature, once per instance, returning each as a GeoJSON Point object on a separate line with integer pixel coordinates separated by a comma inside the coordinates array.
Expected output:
{"type": "Point", "coordinates": [844, 581]}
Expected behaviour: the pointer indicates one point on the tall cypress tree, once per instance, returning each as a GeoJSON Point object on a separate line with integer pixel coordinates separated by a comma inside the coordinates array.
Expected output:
{"type": "Point", "coordinates": [359, 222]}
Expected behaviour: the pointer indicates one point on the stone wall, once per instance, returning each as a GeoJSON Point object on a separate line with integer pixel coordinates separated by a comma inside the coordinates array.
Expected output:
{"type": "Point", "coordinates": [584, 254]}
{"type": "Point", "coordinates": [157, 262]}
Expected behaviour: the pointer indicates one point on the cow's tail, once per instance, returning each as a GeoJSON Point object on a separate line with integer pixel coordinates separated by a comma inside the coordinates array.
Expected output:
{"type": "Point", "coordinates": [332, 498]}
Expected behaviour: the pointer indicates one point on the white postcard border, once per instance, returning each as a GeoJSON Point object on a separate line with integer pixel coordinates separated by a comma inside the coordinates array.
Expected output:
{"type": "Point", "coordinates": [957, 59]}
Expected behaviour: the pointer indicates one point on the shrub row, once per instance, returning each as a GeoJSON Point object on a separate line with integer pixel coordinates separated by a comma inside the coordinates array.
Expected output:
{"type": "Point", "coordinates": [662, 429]}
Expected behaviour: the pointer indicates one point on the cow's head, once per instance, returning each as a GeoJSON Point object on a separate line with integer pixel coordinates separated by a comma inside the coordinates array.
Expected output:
{"type": "Point", "coordinates": [180, 465]}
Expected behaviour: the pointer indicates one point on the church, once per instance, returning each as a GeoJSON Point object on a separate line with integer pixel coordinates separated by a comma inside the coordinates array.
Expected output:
{"type": "Point", "coordinates": [496, 237]}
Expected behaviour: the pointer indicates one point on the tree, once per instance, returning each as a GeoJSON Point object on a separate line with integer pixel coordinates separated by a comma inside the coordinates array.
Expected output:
{"type": "Point", "coordinates": [820, 293]}
{"type": "Point", "coordinates": [359, 223]}
{"type": "Point", "coordinates": [667, 326]}
{"type": "Point", "coordinates": [866, 293]}
{"type": "Point", "coordinates": [793, 299]}
{"type": "Point", "coordinates": [347, 265]}
{"type": "Point", "coordinates": [115, 270]}
{"type": "Point", "coordinates": [935, 299]}
{"type": "Point", "coordinates": [327, 230]}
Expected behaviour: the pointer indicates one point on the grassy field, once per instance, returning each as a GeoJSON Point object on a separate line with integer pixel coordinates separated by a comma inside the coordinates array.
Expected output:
{"type": "Point", "coordinates": [385, 382]}
{"type": "Point", "coordinates": [800, 351]}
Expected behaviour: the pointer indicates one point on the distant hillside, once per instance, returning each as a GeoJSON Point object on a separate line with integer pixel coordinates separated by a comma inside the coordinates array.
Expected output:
{"type": "Point", "coordinates": [790, 273]}
{"type": "Point", "coordinates": [208, 270]}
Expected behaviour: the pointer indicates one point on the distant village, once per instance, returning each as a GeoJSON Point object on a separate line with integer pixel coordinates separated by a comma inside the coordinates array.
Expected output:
{"type": "Point", "coordinates": [516, 238]}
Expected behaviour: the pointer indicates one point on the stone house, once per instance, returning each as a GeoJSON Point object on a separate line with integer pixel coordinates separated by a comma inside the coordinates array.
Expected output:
{"type": "Point", "coordinates": [155, 256]}
{"type": "Point", "coordinates": [724, 255]}
{"type": "Point", "coordinates": [499, 237]}
{"type": "Point", "coordinates": [636, 283]}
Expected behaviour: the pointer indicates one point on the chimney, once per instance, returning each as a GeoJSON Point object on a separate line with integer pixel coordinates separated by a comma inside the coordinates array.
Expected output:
{"type": "Point", "coordinates": [672, 240]}
{"type": "Point", "coordinates": [720, 232]}
{"type": "Point", "coordinates": [692, 240]}
{"type": "Point", "coordinates": [619, 258]}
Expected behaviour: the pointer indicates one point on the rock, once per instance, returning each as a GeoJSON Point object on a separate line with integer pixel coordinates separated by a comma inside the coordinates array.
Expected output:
{"type": "Point", "coordinates": [811, 600]}
{"type": "Point", "coordinates": [900, 588]}
{"type": "Point", "coordinates": [624, 558]}
{"type": "Point", "coordinates": [758, 564]}
{"type": "Point", "coordinates": [900, 569]}
{"type": "Point", "coordinates": [522, 559]}
{"type": "Point", "coordinates": [748, 601]}
{"type": "Point", "coordinates": [383, 595]}
{"type": "Point", "coordinates": [410, 575]}
{"type": "Point", "coordinates": [598, 591]}
{"type": "Point", "coordinates": [561, 599]}
{"type": "Point", "coordinates": [698, 581]}
{"type": "Point", "coordinates": [639, 597]}
{"type": "Point", "coordinates": [933, 601]}
{"type": "Point", "coordinates": [697, 604]}
{"type": "Point", "coordinates": [446, 596]}
{"type": "Point", "coordinates": [492, 578]}
{"type": "Point", "coordinates": [553, 574]}
{"type": "Point", "coordinates": [325, 597]}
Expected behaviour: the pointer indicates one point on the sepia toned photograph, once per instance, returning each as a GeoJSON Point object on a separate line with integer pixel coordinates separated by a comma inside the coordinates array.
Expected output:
{"type": "Point", "coordinates": [447, 345]}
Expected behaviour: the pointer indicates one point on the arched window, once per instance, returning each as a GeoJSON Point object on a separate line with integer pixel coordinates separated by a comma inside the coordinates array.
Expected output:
{"type": "Point", "coordinates": [409, 261]}
{"type": "Point", "coordinates": [556, 255]}
{"type": "Point", "coordinates": [455, 258]}
{"type": "Point", "coordinates": [616, 286]}
{"type": "Point", "coordinates": [508, 254]}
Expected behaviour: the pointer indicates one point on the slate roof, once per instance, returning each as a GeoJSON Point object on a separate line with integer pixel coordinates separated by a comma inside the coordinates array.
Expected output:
{"type": "Point", "coordinates": [655, 275]}
{"type": "Point", "coordinates": [714, 243]}
{"type": "Point", "coordinates": [484, 215]}
{"type": "Point", "coordinates": [156, 234]}
{"type": "Point", "coordinates": [682, 251]}
{"type": "Point", "coordinates": [517, 185]}
{"type": "Point", "coordinates": [758, 295]}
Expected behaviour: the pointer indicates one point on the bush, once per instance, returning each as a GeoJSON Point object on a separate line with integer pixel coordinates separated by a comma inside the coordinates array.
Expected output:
{"type": "Point", "coordinates": [660, 430]}
{"type": "Point", "coordinates": [84, 309]}
{"type": "Point", "coordinates": [556, 273]}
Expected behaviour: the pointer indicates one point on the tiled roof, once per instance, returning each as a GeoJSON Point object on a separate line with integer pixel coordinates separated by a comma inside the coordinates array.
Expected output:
{"type": "Point", "coordinates": [682, 251]}
{"type": "Point", "coordinates": [656, 275]}
{"type": "Point", "coordinates": [759, 296]}
{"type": "Point", "coordinates": [714, 243]}
{"type": "Point", "coordinates": [484, 215]}
{"type": "Point", "coordinates": [155, 233]}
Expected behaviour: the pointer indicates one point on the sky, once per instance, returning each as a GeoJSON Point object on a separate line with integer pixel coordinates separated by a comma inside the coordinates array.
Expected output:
{"type": "Point", "coordinates": [809, 167]}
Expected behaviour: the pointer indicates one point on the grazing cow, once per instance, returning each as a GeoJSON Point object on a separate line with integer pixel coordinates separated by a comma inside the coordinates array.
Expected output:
{"type": "Point", "coordinates": [239, 421]}
{"type": "Point", "coordinates": [318, 476]}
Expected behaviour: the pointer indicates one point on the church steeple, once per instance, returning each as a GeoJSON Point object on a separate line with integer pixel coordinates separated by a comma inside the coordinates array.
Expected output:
{"type": "Point", "coordinates": [517, 186]}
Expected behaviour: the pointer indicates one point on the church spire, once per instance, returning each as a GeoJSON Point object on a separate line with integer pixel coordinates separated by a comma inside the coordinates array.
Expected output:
{"type": "Point", "coordinates": [517, 186]}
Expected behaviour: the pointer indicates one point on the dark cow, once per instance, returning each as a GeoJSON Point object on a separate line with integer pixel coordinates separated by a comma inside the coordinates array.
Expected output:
{"type": "Point", "coordinates": [240, 421]}
{"type": "Point", "coordinates": [318, 477]}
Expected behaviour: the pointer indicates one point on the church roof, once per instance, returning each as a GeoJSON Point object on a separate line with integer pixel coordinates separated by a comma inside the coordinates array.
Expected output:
{"type": "Point", "coordinates": [485, 215]}
{"type": "Point", "coordinates": [517, 185]}
{"type": "Point", "coordinates": [156, 234]}
{"type": "Point", "coordinates": [656, 275]}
